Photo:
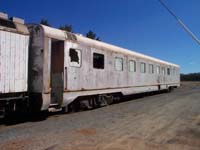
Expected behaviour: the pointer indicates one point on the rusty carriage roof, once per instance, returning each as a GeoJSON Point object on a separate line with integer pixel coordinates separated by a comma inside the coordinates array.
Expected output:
{"type": "Point", "coordinates": [63, 35]}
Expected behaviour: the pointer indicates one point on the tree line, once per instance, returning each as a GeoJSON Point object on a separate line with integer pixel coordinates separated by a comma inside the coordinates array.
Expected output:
{"type": "Point", "coordinates": [68, 27]}
{"type": "Point", "coordinates": [190, 77]}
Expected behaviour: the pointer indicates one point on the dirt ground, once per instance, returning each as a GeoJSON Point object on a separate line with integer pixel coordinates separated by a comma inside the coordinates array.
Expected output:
{"type": "Point", "coordinates": [169, 121]}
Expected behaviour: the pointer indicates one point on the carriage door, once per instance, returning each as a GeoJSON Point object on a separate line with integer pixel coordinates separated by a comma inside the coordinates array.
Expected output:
{"type": "Point", "coordinates": [57, 70]}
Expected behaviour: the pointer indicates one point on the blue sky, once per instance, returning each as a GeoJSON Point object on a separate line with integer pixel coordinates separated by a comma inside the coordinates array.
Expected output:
{"type": "Point", "coordinates": [140, 25]}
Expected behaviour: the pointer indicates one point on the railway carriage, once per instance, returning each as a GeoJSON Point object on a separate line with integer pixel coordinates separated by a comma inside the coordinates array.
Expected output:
{"type": "Point", "coordinates": [43, 68]}
{"type": "Point", "coordinates": [72, 69]}
{"type": "Point", "coordinates": [14, 44]}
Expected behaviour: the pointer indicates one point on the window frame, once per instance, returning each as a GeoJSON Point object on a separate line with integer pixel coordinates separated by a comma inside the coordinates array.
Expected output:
{"type": "Point", "coordinates": [151, 69]}
{"type": "Point", "coordinates": [145, 69]}
{"type": "Point", "coordinates": [163, 70]}
{"type": "Point", "coordinates": [80, 58]}
{"type": "Point", "coordinates": [100, 54]}
{"type": "Point", "coordinates": [122, 64]}
{"type": "Point", "coordinates": [158, 69]}
{"type": "Point", "coordinates": [174, 71]}
{"type": "Point", "coordinates": [134, 65]}
{"type": "Point", "coordinates": [168, 71]}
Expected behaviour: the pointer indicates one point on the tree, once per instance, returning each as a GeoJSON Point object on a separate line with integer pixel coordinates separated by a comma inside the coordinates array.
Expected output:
{"type": "Point", "coordinates": [92, 35]}
{"type": "Point", "coordinates": [67, 28]}
{"type": "Point", "coordinates": [190, 77]}
{"type": "Point", "coordinates": [45, 22]}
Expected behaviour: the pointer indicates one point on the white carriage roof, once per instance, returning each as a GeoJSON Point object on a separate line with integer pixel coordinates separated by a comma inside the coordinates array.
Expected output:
{"type": "Point", "coordinates": [18, 27]}
{"type": "Point", "coordinates": [62, 35]}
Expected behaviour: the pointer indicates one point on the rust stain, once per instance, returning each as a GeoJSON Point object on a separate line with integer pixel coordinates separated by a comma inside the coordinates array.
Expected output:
{"type": "Point", "coordinates": [88, 131]}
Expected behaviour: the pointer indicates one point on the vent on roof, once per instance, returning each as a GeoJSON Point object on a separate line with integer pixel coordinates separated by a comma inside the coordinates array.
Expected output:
{"type": "Point", "coordinates": [7, 23]}
{"type": "Point", "coordinates": [3, 15]}
{"type": "Point", "coordinates": [17, 20]}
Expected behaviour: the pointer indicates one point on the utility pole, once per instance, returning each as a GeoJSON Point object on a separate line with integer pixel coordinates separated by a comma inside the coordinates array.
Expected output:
{"type": "Point", "coordinates": [180, 22]}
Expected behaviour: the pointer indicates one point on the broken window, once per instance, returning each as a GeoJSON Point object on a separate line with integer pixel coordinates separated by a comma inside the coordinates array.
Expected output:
{"type": "Point", "coordinates": [118, 64]}
{"type": "Point", "coordinates": [98, 61]}
{"type": "Point", "coordinates": [75, 57]}
{"type": "Point", "coordinates": [132, 66]}
{"type": "Point", "coordinates": [142, 67]}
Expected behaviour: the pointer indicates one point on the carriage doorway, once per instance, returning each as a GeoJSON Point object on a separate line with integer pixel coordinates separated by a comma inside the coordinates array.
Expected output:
{"type": "Point", "coordinates": [57, 70]}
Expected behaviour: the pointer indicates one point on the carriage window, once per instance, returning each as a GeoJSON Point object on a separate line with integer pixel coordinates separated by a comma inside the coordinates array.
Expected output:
{"type": "Point", "coordinates": [163, 70]}
{"type": "Point", "coordinates": [168, 71]}
{"type": "Point", "coordinates": [158, 69]}
{"type": "Point", "coordinates": [174, 71]}
{"type": "Point", "coordinates": [132, 66]}
{"type": "Point", "coordinates": [75, 57]}
{"type": "Point", "coordinates": [142, 67]}
{"type": "Point", "coordinates": [151, 69]}
{"type": "Point", "coordinates": [98, 61]}
{"type": "Point", "coordinates": [118, 64]}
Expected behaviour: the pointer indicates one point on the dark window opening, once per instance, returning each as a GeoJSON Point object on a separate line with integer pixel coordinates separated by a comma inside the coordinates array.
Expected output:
{"type": "Point", "coordinates": [168, 71]}
{"type": "Point", "coordinates": [98, 61]}
{"type": "Point", "coordinates": [73, 55]}
{"type": "Point", "coordinates": [151, 68]}
{"type": "Point", "coordinates": [7, 23]}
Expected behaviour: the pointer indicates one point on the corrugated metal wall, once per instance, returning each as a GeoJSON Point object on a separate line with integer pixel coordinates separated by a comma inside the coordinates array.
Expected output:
{"type": "Point", "coordinates": [13, 62]}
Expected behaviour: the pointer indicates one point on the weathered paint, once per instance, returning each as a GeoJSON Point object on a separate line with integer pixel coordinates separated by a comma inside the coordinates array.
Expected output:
{"type": "Point", "coordinates": [62, 35]}
{"type": "Point", "coordinates": [86, 80]}
{"type": "Point", "coordinates": [36, 60]}
{"type": "Point", "coordinates": [13, 62]}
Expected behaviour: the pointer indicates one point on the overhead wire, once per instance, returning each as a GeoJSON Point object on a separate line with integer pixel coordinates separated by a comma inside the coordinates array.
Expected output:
{"type": "Point", "coordinates": [180, 22]}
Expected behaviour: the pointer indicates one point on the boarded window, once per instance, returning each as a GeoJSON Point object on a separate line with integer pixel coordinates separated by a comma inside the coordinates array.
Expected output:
{"type": "Point", "coordinates": [151, 69]}
{"type": "Point", "coordinates": [98, 61]}
{"type": "Point", "coordinates": [142, 67]}
{"type": "Point", "coordinates": [132, 66]}
{"type": "Point", "coordinates": [118, 64]}
{"type": "Point", "coordinates": [75, 57]}
{"type": "Point", "coordinates": [158, 69]}
{"type": "Point", "coordinates": [168, 71]}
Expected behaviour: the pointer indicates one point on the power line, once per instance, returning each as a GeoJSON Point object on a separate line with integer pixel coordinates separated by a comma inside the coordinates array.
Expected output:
{"type": "Point", "coordinates": [180, 22]}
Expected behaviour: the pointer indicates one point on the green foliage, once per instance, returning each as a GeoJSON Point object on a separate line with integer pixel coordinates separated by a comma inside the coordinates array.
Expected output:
{"type": "Point", "coordinates": [92, 35]}
{"type": "Point", "coordinates": [67, 28]}
{"type": "Point", "coordinates": [190, 77]}
{"type": "Point", "coordinates": [45, 22]}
